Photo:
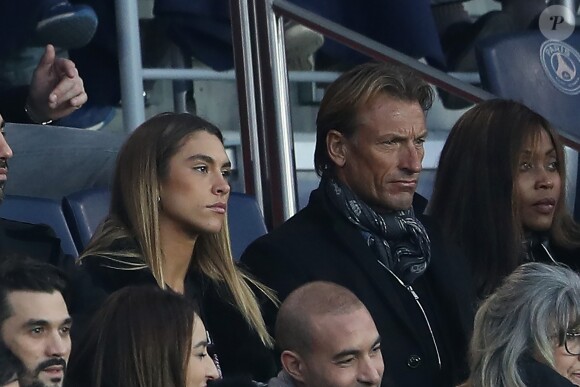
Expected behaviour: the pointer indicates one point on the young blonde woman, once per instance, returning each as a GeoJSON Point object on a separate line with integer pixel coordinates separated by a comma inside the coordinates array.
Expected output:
{"type": "Point", "coordinates": [167, 225]}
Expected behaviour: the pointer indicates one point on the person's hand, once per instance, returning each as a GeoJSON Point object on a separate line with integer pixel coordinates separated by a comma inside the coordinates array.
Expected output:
{"type": "Point", "coordinates": [56, 89]}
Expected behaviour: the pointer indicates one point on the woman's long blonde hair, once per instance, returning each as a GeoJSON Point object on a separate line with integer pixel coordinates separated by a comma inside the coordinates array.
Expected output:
{"type": "Point", "coordinates": [142, 164]}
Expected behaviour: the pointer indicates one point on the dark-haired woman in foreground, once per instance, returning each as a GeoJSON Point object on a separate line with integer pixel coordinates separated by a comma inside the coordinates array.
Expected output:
{"type": "Point", "coordinates": [143, 336]}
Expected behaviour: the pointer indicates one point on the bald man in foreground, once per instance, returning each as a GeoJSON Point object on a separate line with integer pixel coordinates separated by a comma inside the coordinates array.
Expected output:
{"type": "Point", "coordinates": [327, 338]}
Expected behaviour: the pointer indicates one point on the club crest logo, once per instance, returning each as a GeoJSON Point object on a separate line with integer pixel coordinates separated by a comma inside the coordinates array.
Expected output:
{"type": "Point", "coordinates": [561, 63]}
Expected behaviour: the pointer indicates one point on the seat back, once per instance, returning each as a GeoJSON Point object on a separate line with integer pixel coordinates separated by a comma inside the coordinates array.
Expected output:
{"type": "Point", "coordinates": [40, 211]}
{"type": "Point", "coordinates": [84, 211]}
{"type": "Point", "coordinates": [245, 221]}
{"type": "Point", "coordinates": [542, 74]}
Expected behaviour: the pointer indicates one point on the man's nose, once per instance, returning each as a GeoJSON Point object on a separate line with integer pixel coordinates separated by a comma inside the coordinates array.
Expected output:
{"type": "Point", "coordinates": [58, 346]}
{"type": "Point", "coordinates": [369, 372]}
{"type": "Point", "coordinates": [5, 150]}
{"type": "Point", "coordinates": [410, 159]}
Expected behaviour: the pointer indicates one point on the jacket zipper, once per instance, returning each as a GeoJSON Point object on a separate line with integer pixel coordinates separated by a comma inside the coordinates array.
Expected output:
{"type": "Point", "coordinates": [418, 301]}
{"type": "Point", "coordinates": [548, 253]}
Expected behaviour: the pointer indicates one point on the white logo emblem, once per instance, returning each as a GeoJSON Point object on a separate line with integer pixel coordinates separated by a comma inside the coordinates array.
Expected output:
{"type": "Point", "coordinates": [561, 63]}
{"type": "Point", "coordinates": [557, 22]}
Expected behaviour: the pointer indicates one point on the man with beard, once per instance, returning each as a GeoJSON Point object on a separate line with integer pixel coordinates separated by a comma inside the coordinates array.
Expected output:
{"type": "Point", "coordinates": [10, 367]}
{"type": "Point", "coordinates": [34, 320]}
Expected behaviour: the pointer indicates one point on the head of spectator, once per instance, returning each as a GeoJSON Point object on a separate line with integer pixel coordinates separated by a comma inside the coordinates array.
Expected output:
{"type": "Point", "coordinates": [327, 338]}
{"type": "Point", "coordinates": [171, 190]}
{"type": "Point", "coordinates": [369, 149]}
{"type": "Point", "coordinates": [143, 336]}
{"type": "Point", "coordinates": [528, 330]}
{"type": "Point", "coordinates": [5, 154]}
{"type": "Point", "coordinates": [500, 189]}
{"type": "Point", "coordinates": [370, 131]}
{"type": "Point", "coordinates": [34, 320]}
{"type": "Point", "coordinates": [10, 367]}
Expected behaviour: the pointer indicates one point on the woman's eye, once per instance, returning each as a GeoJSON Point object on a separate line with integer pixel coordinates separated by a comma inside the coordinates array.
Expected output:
{"type": "Point", "coordinates": [525, 165]}
{"type": "Point", "coordinates": [553, 166]}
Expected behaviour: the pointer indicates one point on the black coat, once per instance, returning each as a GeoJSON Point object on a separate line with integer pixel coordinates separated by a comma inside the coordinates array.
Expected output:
{"type": "Point", "coordinates": [31, 240]}
{"type": "Point", "coordinates": [570, 258]}
{"type": "Point", "coordinates": [536, 374]}
{"type": "Point", "coordinates": [238, 347]}
{"type": "Point", "coordinates": [318, 244]}
{"type": "Point", "coordinates": [12, 103]}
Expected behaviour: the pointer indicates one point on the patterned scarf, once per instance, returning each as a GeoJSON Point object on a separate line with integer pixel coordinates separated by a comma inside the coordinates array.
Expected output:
{"type": "Point", "coordinates": [398, 238]}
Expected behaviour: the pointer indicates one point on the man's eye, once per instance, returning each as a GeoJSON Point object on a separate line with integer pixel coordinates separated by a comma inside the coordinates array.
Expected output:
{"type": "Point", "coordinates": [37, 330]}
{"type": "Point", "coordinates": [201, 168]}
{"type": "Point", "coordinates": [346, 362]}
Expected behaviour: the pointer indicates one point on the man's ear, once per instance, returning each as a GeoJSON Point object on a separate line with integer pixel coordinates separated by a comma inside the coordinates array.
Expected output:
{"type": "Point", "coordinates": [293, 365]}
{"type": "Point", "coordinates": [336, 147]}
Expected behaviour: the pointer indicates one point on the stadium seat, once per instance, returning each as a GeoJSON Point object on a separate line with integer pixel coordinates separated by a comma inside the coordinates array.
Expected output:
{"type": "Point", "coordinates": [84, 211]}
{"type": "Point", "coordinates": [40, 211]}
{"type": "Point", "coordinates": [245, 221]}
{"type": "Point", "coordinates": [543, 74]}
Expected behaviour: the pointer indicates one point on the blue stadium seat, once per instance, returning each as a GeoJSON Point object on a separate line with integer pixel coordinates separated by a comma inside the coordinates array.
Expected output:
{"type": "Point", "coordinates": [245, 221]}
{"type": "Point", "coordinates": [40, 211]}
{"type": "Point", "coordinates": [84, 211]}
{"type": "Point", "coordinates": [542, 74]}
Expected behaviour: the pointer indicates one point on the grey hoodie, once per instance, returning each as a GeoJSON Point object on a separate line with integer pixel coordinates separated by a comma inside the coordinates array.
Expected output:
{"type": "Point", "coordinates": [282, 380]}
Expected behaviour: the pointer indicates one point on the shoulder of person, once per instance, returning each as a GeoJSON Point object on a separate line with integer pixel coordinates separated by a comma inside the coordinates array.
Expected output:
{"type": "Point", "coordinates": [235, 382]}
{"type": "Point", "coordinates": [539, 374]}
{"type": "Point", "coordinates": [37, 241]}
{"type": "Point", "coordinates": [115, 269]}
{"type": "Point", "coordinates": [569, 257]}
{"type": "Point", "coordinates": [27, 231]}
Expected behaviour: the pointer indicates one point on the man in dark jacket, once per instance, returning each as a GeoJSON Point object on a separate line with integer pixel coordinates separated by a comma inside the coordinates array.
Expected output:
{"type": "Point", "coordinates": [359, 228]}
{"type": "Point", "coordinates": [17, 238]}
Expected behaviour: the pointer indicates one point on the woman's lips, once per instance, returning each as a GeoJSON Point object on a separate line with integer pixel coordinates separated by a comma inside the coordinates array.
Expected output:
{"type": "Point", "coordinates": [220, 208]}
{"type": "Point", "coordinates": [545, 206]}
